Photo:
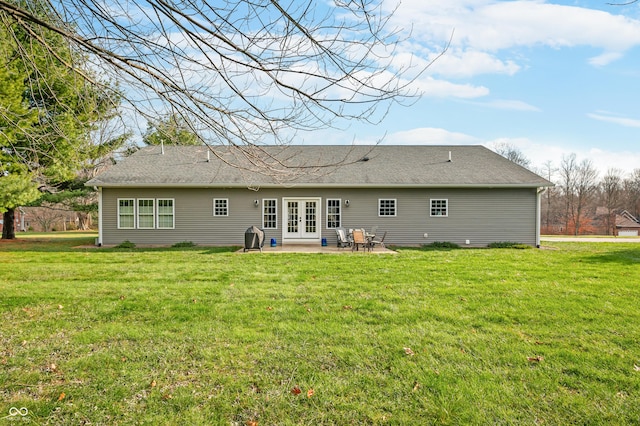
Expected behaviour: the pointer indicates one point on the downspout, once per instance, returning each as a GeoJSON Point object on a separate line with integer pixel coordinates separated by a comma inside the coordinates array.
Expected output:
{"type": "Point", "coordinates": [99, 242]}
{"type": "Point", "coordinates": [538, 213]}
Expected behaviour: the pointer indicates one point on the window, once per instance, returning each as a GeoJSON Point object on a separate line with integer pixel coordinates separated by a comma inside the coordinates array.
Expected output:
{"type": "Point", "coordinates": [439, 207]}
{"type": "Point", "coordinates": [333, 213]}
{"type": "Point", "coordinates": [165, 214]}
{"type": "Point", "coordinates": [146, 213]}
{"type": "Point", "coordinates": [386, 207]}
{"type": "Point", "coordinates": [269, 214]}
{"type": "Point", "coordinates": [221, 207]}
{"type": "Point", "coordinates": [126, 214]}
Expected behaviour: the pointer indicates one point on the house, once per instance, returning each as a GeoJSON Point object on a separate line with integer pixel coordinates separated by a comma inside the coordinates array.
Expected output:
{"type": "Point", "coordinates": [467, 195]}
{"type": "Point", "coordinates": [627, 225]}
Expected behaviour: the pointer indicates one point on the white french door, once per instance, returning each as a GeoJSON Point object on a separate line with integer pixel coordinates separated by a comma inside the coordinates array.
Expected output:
{"type": "Point", "coordinates": [302, 219]}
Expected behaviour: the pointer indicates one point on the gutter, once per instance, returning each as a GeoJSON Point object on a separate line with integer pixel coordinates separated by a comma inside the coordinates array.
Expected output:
{"type": "Point", "coordinates": [315, 186]}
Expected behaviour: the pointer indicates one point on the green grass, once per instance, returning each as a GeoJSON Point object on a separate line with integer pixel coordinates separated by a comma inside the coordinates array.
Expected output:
{"type": "Point", "coordinates": [207, 336]}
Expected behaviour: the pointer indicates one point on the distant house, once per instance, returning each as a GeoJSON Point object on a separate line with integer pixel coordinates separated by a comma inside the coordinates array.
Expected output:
{"type": "Point", "coordinates": [467, 195]}
{"type": "Point", "coordinates": [627, 225]}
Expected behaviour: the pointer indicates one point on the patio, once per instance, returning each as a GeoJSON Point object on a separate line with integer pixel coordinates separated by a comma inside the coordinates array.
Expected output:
{"type": "Point", "coordinates": [316, 248]}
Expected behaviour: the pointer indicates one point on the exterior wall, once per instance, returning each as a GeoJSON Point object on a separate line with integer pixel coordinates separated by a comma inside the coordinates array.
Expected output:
{"type": "Point", "coordinates": [480, 216]}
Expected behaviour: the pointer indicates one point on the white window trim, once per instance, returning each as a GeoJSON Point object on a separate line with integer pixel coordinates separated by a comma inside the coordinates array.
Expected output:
{"type": "Point", "coordinates": [275, 204]}
{"type": "Point", "coordinates": [173, 213]}
{"type": "Point", "coordinates": [153, 213]}
{"type": "Point", "coordinates": [395, 207]}
{"type": "Point", "coordinates": [133, 200]}
{"type": "Point", "coordinates": [339, 200]}
{"type": "Point", "coordinates": [226, 200]}
{"type": "Point", "coordinates": [431, 200]}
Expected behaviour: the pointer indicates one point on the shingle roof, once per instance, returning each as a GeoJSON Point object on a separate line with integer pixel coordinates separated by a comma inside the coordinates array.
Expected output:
{"type": "Point", "coordinates": [316, 166]}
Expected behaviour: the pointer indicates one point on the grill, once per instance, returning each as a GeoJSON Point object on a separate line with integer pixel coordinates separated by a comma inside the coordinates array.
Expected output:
{"type": "Point", "coordinates": [253, 238]}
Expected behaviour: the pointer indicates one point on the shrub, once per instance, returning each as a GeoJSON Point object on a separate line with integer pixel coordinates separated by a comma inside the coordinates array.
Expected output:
{"type": "Point", "coordinates": [126, 244]}
{"type": "Point", "coordinates": [441, 245]}
{"type": "Point", "coordinates": [184, 244]}
{"type": "Point", "coordinates": [508, 244]}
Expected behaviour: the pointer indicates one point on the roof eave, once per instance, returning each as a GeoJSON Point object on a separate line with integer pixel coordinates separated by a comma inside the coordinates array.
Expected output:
{"type": "Point", "coordinates": [321, 186]}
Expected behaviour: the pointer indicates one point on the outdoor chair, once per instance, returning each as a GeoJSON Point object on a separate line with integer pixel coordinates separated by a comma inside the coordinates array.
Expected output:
{"type": "Point", "coordinates": [359, 239]}
{"type": "Point", "coordinates": [379, 242]}
{"type": "Point", "coordinates": [343, 238]}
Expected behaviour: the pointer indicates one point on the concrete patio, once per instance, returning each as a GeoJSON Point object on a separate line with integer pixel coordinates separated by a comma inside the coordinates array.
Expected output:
{"type": "Point", "coordinates": [317, 248]}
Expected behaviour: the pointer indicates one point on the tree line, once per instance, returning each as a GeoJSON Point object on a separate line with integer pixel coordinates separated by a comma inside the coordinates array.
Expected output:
{"type": "Point", "coordinates": [582, 201]}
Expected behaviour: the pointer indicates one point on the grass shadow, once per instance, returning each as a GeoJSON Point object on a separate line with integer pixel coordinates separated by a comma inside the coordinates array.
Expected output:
{"type": "Point", "coordinates": [623, 256]}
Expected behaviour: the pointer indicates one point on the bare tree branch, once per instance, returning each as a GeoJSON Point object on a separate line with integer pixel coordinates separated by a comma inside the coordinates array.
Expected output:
{"type": "Point", "coordinates": [240, 73]}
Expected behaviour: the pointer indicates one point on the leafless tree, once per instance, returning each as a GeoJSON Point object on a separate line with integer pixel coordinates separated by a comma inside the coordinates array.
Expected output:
{"type": "Point", "coordinates": [567, 174]}
{"type": "Point", "coordinates": [631, 187]}
{"type": "Point", "coordinates": [241, 73]}
{"type": "Point", "coordinates": [586, 184]}
{"type": "Point", "coordinates": [611, 189]}
{"type": "Point", "coordinates": [512, 153]}
{"type": "Point", "coordinates": [550, 213]}
{"type": "Point", "coordinates": [579, 185]}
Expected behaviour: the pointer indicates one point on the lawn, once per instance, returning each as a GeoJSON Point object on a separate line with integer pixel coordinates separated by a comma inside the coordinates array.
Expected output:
{"type": "Point", "coordinates": [208, 336]}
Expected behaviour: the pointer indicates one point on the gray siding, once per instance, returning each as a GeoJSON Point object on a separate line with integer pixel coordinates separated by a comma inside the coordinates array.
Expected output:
{"type": "Point", "coordinates": [481, 216]}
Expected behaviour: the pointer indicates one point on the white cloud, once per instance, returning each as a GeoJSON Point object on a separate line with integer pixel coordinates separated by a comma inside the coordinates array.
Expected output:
{"type": "Point", "coordinates": [436, 88]}
{"type": "Point", "coordinates": [610, 118]}
{"type": "Point", "coordinates": [429, 136]}
{"type": "Point", "coordinates": [458, 63]}
{"type": "Point", "coordinates": [490, 26]}
{"type": "Point", "coordinates": [508, 104]}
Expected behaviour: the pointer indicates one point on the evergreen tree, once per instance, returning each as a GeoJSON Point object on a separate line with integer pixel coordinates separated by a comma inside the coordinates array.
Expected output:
{"type": "Point", "coordinates": [48, 108]}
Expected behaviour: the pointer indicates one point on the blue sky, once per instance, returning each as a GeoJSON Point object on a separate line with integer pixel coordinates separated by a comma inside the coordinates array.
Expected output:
{"type": "Point", "coordinates": [550, 78]}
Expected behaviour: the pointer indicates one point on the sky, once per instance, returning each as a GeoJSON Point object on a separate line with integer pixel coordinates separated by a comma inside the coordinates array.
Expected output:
{"type": "Point", "coordinates": [550, 78]}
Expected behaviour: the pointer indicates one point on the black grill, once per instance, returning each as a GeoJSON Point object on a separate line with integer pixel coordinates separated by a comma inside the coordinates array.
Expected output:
{"type": "Point", "coordinates": [253, 238]}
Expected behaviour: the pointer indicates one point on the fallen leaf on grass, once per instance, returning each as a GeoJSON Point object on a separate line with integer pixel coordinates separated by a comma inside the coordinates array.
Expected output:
{"type": "Point", "coordinates": [122, 297]}
{"type": "Point", "coordinates": [347, 307]}
{"type": "Point", "coordinates": [269, 308]}
{"type": "Point", "coordinates": [153, 383]}
{"type": "Point", "coordinates": [310, 393]}
{"type": "Point", "coordinates": [636, 367]}
{"type": "Point", "coordinates": [61, 397]}
{"type": "Point", "coordinates": [408, 351]}
{"type": "Point", "coordinates": [167, 396]}
{"type": "Point", "coordinates": [535, 358]}
{"type": "Point", "coordinates": [252, 423]}
{"type": "Point", "coordinates": [416, 386]}
{"type": "Point", "coordinates": [296, 390]}
{"type": "Point", "coordinates": [60, 306]}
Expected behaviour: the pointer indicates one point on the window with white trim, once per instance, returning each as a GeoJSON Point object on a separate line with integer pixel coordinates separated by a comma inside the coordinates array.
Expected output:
{"type": "Point", "coordinates": [126, 213]}
{"type": "Point", "coordinates": [221, 207]}
{"type": "Point", "coordinates": [269, 213]}
{"type": "Point", "coordinates": [334, 214]}
{"type": "Point", "coordinates": [166, 213]}
{"type": "Point", "coordinates": [439, 207]}
{"type": "Point", "coordinates": [387, 207]}
{"type": "Point", "coordinates": [146, 213]}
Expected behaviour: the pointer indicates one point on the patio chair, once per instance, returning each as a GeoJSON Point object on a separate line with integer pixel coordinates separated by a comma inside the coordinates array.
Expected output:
{"type": "Point", "coordinates": [343, 238]}
{"type": "Point", "coordinates": [359, 239]}
{"type": "Point", "coordinates": [379, 242]}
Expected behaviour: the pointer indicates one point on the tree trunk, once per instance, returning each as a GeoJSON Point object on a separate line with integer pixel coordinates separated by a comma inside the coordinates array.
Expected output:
{"type": "Point", "coordinates": [8, 227]}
